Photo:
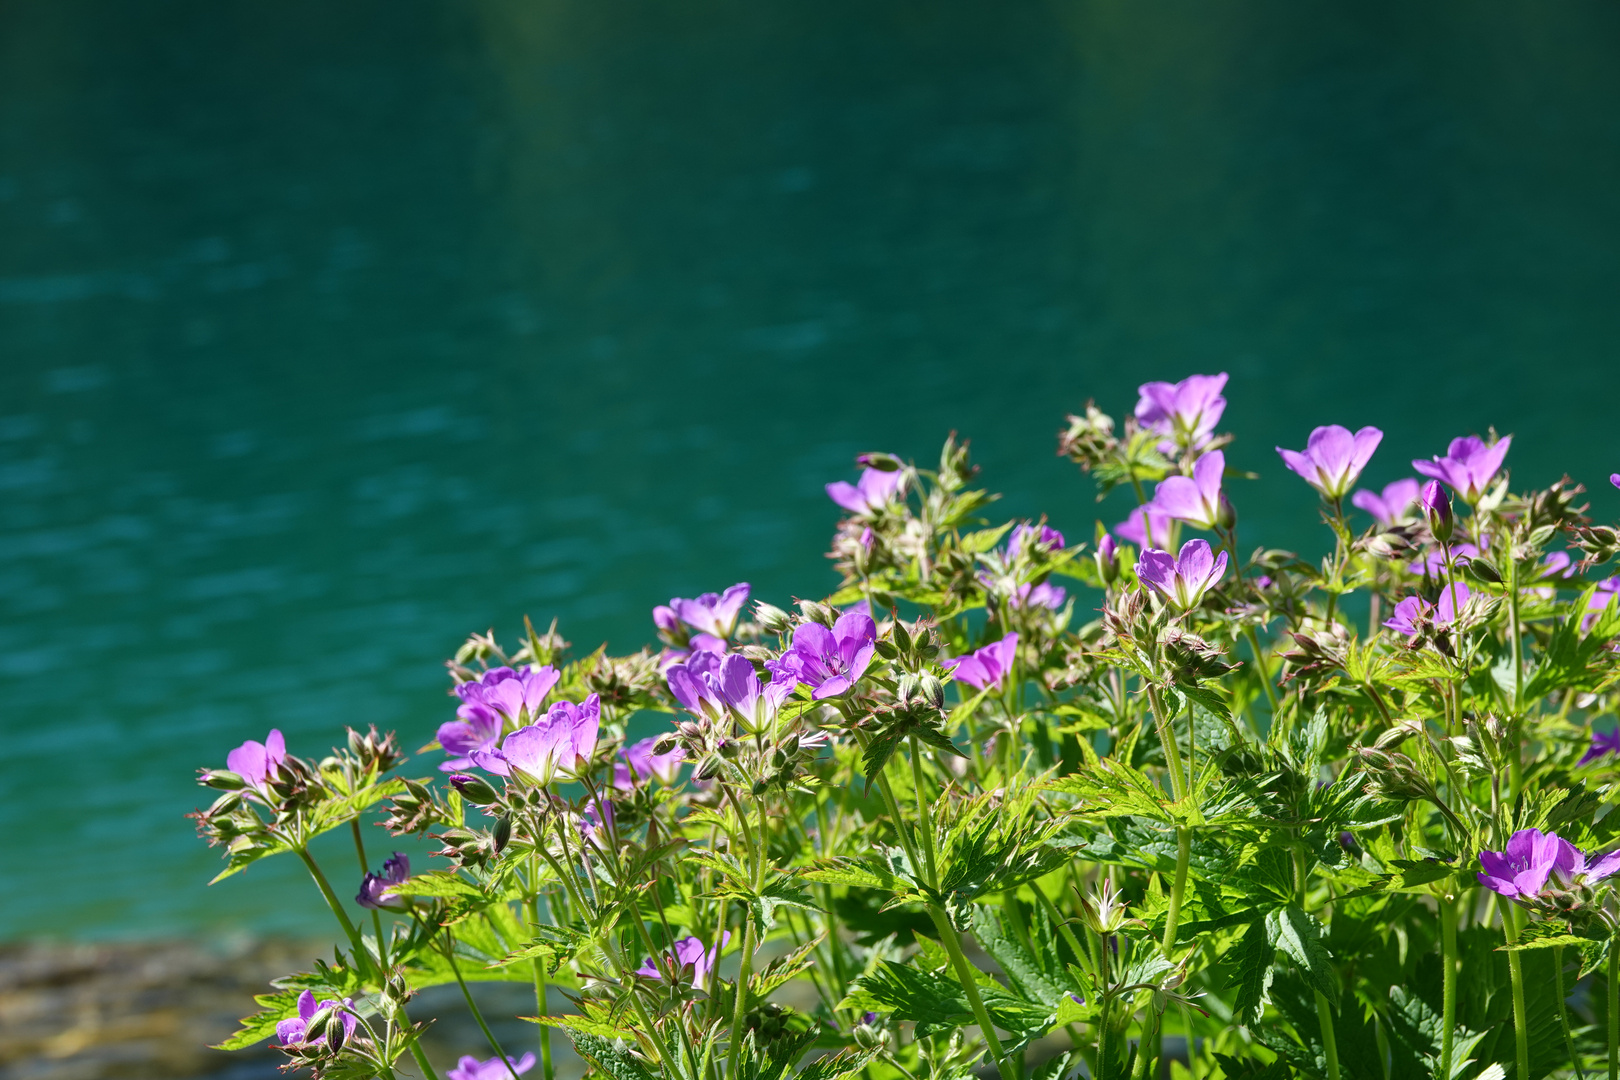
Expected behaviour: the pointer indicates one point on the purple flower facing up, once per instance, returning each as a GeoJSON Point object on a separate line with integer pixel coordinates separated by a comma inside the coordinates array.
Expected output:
{"type": "Point", "coordinates": [1391, 505]}
{"type": "Point", "coordinates": [709, 685]}
{"type": "Point", "coordinates": [1603, 742]}
{"type": "Point", "coordinates": [487, 703]}
{"type": "Point", "coordinates": [470, 1068]}
{"type": "Point", "coordinates": [1406, 617]}
{"type": "Point", "coordinates": [1182, 580]}
{"type": "Point", "coordinates": [1147, 526]}
{"type": "Point", "coordinates": [1533, 858]}
{"type": "Point", "coordinates": [1468, 467]}
{"type": "Point", "coordinates": [693, 963]}
{"type": "Point", "coordinates": [1185, 412]}
{"type": "Point", "coordinates": [988, 667]}
{"type": "Point", "coordinates": [1333, 458]}
{"type": "Point", "coordinates": [375, 888]}
{"type": "Point", "coordinates": [1044, 537]}
{"type": "Point", "coordinates": [640, 763]}
{"type": "Point", "coordinates": [561, 741]}
{"type": "Point", "coordinates": [292, 1030]}
{"type": "Point", "coordinates": [255, 762]}
{"type": "Point", "coordinates": [871, 493]}
{"type": "Point", "coordinates": [712, 613]}
{"type": "Point", "coordinates": [1195, 499]}
{"type": "Point", "coordinates": [830, 662]}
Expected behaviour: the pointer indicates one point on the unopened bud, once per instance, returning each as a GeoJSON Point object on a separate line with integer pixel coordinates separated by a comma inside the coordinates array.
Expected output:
{"type": "Point", "coordinates": [790, 745]}
{"type": "Point", "coordinates": [728, 748]}
{"type": "Point", "coordinates": [931, 689]}
{"type": "Point", "coordinates": [816, 611]}
{"type": "Point", "coordinates": [473, 789]}
{"type": "Point", "coordinates": [880, 461]}
{"type": "Point", "coordinates": [1485, 570]}
{"type": "Point", "coordinates": [772, 619]}
{"type": "Point", "coordinates": [779, 758]}
{"type": "Point", "coordinates": [1107, 557]}
{"type": "Point", "coordinates": [1436, 506]}
{"type": "Point", "coordinates": [223, 779]}
{"type": "Point", "coordinates": [1398, 734]}
{"type": "Point", "coordinates": [760, 787]}
{"type": "Point", "coordinates": [906, 689]}
{"type": "Point", "coordinates": [1226, 514]}
{"type": "Point", "coordinates": [503, 833]}
{"type": "Point", "coordinates": [666, 742]}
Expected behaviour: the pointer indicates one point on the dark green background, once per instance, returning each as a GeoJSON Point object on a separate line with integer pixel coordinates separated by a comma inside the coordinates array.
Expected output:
{"type": "Point", "coordinates": [332, 332]}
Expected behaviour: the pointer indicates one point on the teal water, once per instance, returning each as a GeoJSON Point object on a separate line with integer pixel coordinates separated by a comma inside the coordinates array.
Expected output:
{"type": "Point", "coordinates": [330, 333]}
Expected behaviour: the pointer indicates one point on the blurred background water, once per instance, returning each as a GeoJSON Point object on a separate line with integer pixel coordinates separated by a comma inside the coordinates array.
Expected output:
{"type": "Point", "coordinates": [330, 333]}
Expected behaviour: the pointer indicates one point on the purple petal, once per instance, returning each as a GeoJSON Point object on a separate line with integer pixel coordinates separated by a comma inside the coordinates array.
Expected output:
{"type": "Point", "coordinates": [847, 496]}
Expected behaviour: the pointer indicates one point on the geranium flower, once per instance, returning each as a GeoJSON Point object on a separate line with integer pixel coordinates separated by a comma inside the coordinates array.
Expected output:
{"type": "Point", "coordinates": [255, 762]}
{"type": "Point", "coordinates": [1182, 580]}
{"type": "Point", "coordinates": [1404, 619]}
{"type": "Point", "coordinates": [873, 491]}
{"type": "Point", "coordinates": [1043, 537]}
{"type": "Point", "coordinates": [1185, 412]}
{"type": "Point", "coordinates": [1195, 499]}
{"type": "Point", "coordinates": [1468, 467]}
{"type": "Point", "coordinates": [986, 667]}
{"type": "Point", "coordinates": [470, 1068]}
{"type": "Point", "coordinates": [1533, 858]}
{"type": "Point", "coordinates": [1147, 526]}
{"type": "Point", "coordinates": [693, 963]}
{"type": "Point", "coordinates": [1391, 505]}
{"type": "Point", "coordinates": [1603, 742]}
{"type": "Point", "coordinates": [830, 662]}
{"type": "Point", "coordinates": [498, 695]}
{"type": "Point", "coordinates": [1044, 595]}
{"type": "Point", "coordinates": [291, 1031]}
{"type": "Point", "coordinates": [1333, 458]}
{"type": "Point", "coordinates": [640, 763]}
{"type": "Point", "coordinates": [375, 888]}
{"type": "Point", "coordinates": [711, 613]}
{"type": "Point", "coordinates": [561, 741]}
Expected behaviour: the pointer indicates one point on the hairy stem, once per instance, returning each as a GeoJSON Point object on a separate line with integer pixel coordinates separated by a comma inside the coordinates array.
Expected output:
{"type": "Point", "coordinates": [1330, 1041]}
{"type": "Point", "coordinates": [1178, 888]}
{"type": "Point", "coordinates": [1449, 961]}
{"type": "Point", "coordinates": [540, 1005]}
{"type": "Point", "coordinates": [472, 1006]}
{"type": "Point", "coordinates": [1167, 736]}
{"type": "Point", "coordinates": [1521, 1029]}
{"type": "Point", "coordinates": [332, 902]}
{"type": "Point", "coordinates": [965, 973]}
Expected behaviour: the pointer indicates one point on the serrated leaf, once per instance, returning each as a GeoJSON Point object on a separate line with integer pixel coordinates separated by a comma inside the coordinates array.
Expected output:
{"type": "Point", "coordinates": [1299, 937]}
{"type": "Point", "coordinates": [607, 1056]}
{"type": "Point", "coordinates": [1251, 962]}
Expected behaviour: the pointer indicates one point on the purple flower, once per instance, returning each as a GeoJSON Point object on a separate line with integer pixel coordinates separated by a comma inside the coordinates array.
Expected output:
{"type": "Point", "coordinates": [498, 695]}
{"type": "Point", "coordinates": [1411, 611]}
{"type": "Point", "coordinates": [711, 613]}
{"type": "Point", "coordinates": [1603, 742]}
{"type": "Point", "coordinates": [1468, 467]}
{"type": "Point", "coordinates": [1147, 526]}
{"type": "Point", "coordinates": [1183, 580]}
{"type": "Point", "coordinates": [699, 643]}
{"type": "Point", "coordinates": [561, 741]}
{"type": "Point", "coordinates": [1185, 412]}
{"type": "Point", "coordinates": [1044, 537]}
{"type": "Point", "coordinates": [595, 821]}
{"type": "Point", "coordinates": [470, 1068]}
{"type": "Point", "coordinates": [1195, 499]}
{"type": "Point", "coordinates": [256, 762]}
{"type": "Point", "coordinates": [374, 888]}
{"type": "Point", "coordinates": [711, 685]}
{"type": "Point", "coordinates": [1533, 857]}
{"type": "Point", "coordinates": [1614, 478]}
{"type": "Point", "coordinates": [1044, 595]}
{"type": "Point", "coordinates": [1392, 504]}
{"type": "Point", "coordinates": [1602, 598]}
{"type": "Point", "coordinates": [693, 963]}
{"type": "Point", "coordinates": [873, 491]}
{"type": "Point", "coordinates": [830, 662]}
{"type": "Point", "coordinates": [986, 667]}
{"type": "Point", "coordinates": [291, 1031]}
{"type": "Point", "coordinates": [1333, 458]}
{"type": "Point", "coordinates": [640, 763]}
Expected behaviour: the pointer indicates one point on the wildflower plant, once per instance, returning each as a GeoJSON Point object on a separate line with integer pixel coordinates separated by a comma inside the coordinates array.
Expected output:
{"type": "Point", "coordinates": [1005, 804]}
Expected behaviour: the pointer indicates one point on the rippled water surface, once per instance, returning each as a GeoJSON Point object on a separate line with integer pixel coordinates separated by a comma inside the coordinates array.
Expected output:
{"type": "Point", "coordinates": [332, 332]}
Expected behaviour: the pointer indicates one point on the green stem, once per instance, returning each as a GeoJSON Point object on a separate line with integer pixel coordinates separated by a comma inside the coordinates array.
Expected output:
{"type": "Point", "coordinates": [332, 902]}
{"type": "Point", "coordinates": [1521, 1028]}
{"type": "Point", "coordinates": [1610, 1021]}
{"type": "Point", "coordinates": [965, 973]}
{"type": "Point", "coordinates": [1450, 960]}
{"type": "Point", "coordinates": [1563, 1013]}
{"type": "Point", "coordinates": [1330, 1041]}
{"type": "Point", "coordinates": [1167, 737]}
{"type": "Point", "coordinates": [540, 1004]}
{"type": "Point", "coordinates": [472, 1006]}
{"type": "Point", "coordinates": [926, 826]}
{"type": "Point", "coordinates": [421, 1059]}
{"type": "Point", "coordinates": [738, 1010]}
{"type": "Point", "coordinates": [376, 916]}
{"type": "Point", "coordinates": [1178, 888]}
{"type": "Point", "coordinates": [1260, 663]}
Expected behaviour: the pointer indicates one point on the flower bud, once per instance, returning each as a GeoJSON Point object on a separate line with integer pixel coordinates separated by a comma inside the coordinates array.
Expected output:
{"type": "Point", "coordinates": [1484, 570]}
{"type": "Point", "coordinates": [816, 611]}
{"type": "Point", "coordinates": [666, 742]}
{"type": "Point", "coordinates": [1398, 734]}
{"type": "Point", "coordinates": [503, 832]}
{"type": "Point", "coordinates": [223, 779]}
{"type": "Point", "coordinates": [1107, 557]}
{"type": "Point", "coordinates": [1436, 506]}
{"type": "Point", "coordinates": [790, 745]}
{"type": "Point", "coordinates": [931, 689]}
{"type": "Point", "coordinates": [907, 687]}
{"type": "Point", "coordinates": [473, 789]}
{"type": "Point", "coordinates": [1226, 514]}
{"type": "Point", "coordinates": [772, 619]}
{"type": "Point", "coordinates": [728, 748]}
{"type": "Point", "coordinates": [779, 758]}
{"type": "Point", "coordinates": [880, 461]}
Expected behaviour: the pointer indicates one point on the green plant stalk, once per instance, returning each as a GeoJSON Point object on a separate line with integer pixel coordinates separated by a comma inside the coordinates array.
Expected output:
{"type": "Point", "coordinates": [1449, 961]}
{"type": "Point", "coordinates": [965, 971]}
{"type": "Point", "coordinates": [332, 902]}
{"type": "Point", "coordinates": [1563, 1012]}
{"type": "Point", "coordinates": [421, 1059]}
{"type": "Point", "coordinates": [540, 1003]}
{"type": "Point", "coordinates": [1330, 1040]}
{"type": "Point", "coordinates": [1521, 1030]}
{"type": "Point", "coordinates": [1260, 663]}
{"type": "Point", "coordinates": [376, 916]}
{"type": "Point", "coordinates": [472, 1006]}
{"type": "Point", "coordinates": [746, 970]}
{"type": "Point", "coordinates": [1614, 1009]}
{"type": "Point", "coordinates": [1167, 737]}
{"type": "Point", "coordinates": [1178, 888]}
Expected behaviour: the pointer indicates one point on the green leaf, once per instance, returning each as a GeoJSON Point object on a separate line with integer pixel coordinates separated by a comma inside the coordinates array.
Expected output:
{"type": "Point", "coordinates": [573, 1023]}
{"type": "Point", "coordinates": [606, 1056]}
{"type": "Point", "coordinates": [936, 1003]}
{"type": "Point", "coordinates": [1251, 972]}
{"type": "Point", "coordinates": [1299, 937]}
{"type": "Point", "coordinates": [440, 883]}
{"type": "Point", "coordinates": [324, 817]}
{"type": "Point", "coordinates": [837, 1066]}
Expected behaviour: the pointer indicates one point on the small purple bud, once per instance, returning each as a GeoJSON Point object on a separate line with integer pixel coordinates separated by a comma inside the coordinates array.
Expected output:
{"type": "Point", "coordinates": [1226, 515]}
{"type": "Point", "coordinates": [1108, 559]}
{"type": "Point", "coordinates": [1437, 509]}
